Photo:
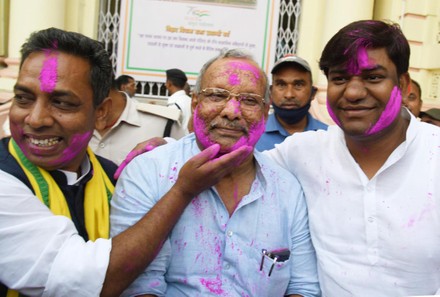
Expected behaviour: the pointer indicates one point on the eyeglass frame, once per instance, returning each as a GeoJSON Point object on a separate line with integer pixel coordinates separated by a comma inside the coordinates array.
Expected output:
{"type": "Point", "coordinates": [238, 96]}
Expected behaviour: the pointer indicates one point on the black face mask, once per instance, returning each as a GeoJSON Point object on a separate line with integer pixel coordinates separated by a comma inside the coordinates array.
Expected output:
{"type": "Point", "coordinates": [292, 116]}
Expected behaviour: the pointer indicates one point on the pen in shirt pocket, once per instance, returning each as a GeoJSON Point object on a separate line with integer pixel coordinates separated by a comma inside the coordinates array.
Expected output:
{"type": "Point", "coordinates": [280, 255]}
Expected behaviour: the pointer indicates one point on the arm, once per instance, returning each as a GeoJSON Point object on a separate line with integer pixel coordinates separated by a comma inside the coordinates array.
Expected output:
{"type": "Point", "coordinates": [138, 245]}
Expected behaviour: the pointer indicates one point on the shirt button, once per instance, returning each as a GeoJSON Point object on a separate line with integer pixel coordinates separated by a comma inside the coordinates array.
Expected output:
{"type": "Point", "coordinates": [101, 145]}
{"type": "Point", "coordinates": [227, 266]}
{"type": "Point", "coordinates": [230, 233]}
{"type": "Point", "coordinates": [371, 219]}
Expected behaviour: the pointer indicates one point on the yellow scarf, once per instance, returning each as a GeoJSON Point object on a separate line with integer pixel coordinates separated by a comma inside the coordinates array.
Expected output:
{"type": "Point", "coordinates": [96, 200]}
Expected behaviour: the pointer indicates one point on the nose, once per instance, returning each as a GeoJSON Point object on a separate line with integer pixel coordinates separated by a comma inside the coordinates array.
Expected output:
{"type": "Point", "coordinates": [232, 109]}
{"type": "Point", "coordinates": [289, 91]}
{"type": "Point", "coordinates": [355, 89]}
{"type": "Point", "coordinates": [39, 115]}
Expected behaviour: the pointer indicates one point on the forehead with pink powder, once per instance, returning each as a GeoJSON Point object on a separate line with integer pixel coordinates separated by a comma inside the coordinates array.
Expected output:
{"type": "Point", "coordinates": [48, 73]}
{"type": "Point", "coordinates": [235, 69]}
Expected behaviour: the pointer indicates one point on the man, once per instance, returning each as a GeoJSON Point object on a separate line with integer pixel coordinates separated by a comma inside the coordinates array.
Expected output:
{"type": "Point", "coordinates": [371, 181]}
{"type": "Point", "coordinates": [292, 92]}
{"type": "Point", "coordinates": [55, 191]}
{"type": "Point", "coordinates": [129, 123]}
{"type": "Point", "coordinates": [247, 235]}
{"type": "Point", "coordinates": [126, 84]}
{"type": "Point", "coordinates": [414, 99]}
{"type": "Point", "coordinates": [431, 116]}
{"type": "Point", "coordinates": [175, 84]}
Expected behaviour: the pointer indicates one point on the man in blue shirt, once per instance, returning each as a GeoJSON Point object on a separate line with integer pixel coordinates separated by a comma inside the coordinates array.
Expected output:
{"type": "Point", "coordinates": [291, 93]}
{"type": "Point", "coordinates": [248, 234]}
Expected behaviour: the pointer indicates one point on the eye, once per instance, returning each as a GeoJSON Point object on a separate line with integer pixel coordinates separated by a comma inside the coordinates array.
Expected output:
{"type": "Point", "coordinates": [22, 99]}
{"type": "Point", "coordinates": [374, 78]}
{"type": "Point", "coordinates": [338, 79]}
{"type": "Point", "coordinates": [216, 95]}
{"type": "Point", "coordinates": [249, 100]}
{"type": "Point", "coordinates": [62, 103]}
{"type": "Point", "coordinates": [280, 85]}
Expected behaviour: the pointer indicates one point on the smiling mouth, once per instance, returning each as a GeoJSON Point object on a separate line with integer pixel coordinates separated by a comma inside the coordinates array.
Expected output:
{"type": "Point", "coordinates": [44, 142]}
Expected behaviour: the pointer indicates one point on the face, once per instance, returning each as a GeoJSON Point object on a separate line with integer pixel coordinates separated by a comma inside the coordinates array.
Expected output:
{"type": "Point", "coordinates": [291, 88]}
{"type": "Point", "coordinates": [413, 101]}
{"type": "Point", "coordinates": [130, 87]}
{"type": "Point", "coordinates": [427, 119]}
{"type": "Point", "coordinates": [52, 115]}
{"type": "Point", "coordinates": [236, 123]}
{"type": "Point", "coordinates": [365, 99]}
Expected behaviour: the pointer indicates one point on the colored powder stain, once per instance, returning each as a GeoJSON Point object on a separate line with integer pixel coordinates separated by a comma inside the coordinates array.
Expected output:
{"type": "Point", "coordinates": [389, 114]}
{"type": "Point", "coordinates": [356, 65]}
{"type": "Point", "coordinates": [197, 206]}
{"type": "Point", "coordinates": [234, 79]}
{"type": "Point", "coordinates": [78, 143]}
{"type": "Point", "coordinates": [199, 129]}
{"type": "Point", "coordinates": [48, 73]}
{"type": "Point", "coordinates": [255, 72]}
{"type": "Point", "coordinates": [332, 114]}
{"type": "Point", "coordinates": [213, 285]}
{"type": "Point", "coordinates": [254, 134]}
{"type": "Point", "coordinates": [154, 284]}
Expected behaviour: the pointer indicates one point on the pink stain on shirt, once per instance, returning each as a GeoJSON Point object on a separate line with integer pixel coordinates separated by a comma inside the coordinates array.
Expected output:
{"type": "Point", "coordinates": [48, 73]}
{"type": "Point", "coordinates": [389, 114]}
{"type": "Point", "coordinates": [213, 285]}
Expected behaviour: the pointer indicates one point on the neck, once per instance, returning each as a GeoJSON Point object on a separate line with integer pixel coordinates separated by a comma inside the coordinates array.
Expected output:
{"type": "Point", "coordinates": [371, 152]}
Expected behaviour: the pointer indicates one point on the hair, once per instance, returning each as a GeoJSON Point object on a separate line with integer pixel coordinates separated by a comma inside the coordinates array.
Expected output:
{"type": "Point", "coordinates": [345, 44]}
{"type": "Point", "coordinates": [418, 87]}
{"type": "Point", "coordinates": [231, 53]}
{"type": "Point", "coordinates": [75, 44]}
{"type": "Point", "coordinates": [122, 80]}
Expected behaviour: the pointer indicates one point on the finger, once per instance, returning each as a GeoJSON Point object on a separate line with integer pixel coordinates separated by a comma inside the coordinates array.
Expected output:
{"type": "Point", "coordinates": [206, 155]}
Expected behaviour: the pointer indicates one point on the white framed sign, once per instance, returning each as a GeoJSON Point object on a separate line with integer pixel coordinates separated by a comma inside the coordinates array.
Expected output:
{"type": "Point", "coordinates": [156, 35]}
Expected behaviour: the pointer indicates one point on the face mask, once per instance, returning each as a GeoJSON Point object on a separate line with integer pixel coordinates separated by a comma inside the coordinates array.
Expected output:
{"type": "Point", "coordinates": [292, 116]}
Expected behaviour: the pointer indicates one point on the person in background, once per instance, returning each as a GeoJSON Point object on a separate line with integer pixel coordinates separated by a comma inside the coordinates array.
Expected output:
{"type": "Point", "coordinates": [431, 116]}
{"type": "Point", "coordinates": [371, 180]}
{"type": "Point", "coordinates": [247, 235]}
{"type": "Point", "coordinates": [175, 84]}
{"type": "Point", "coordinates": [126, 84]}
{"type": "Point", "coordinates": [129, 122]}
{"type": "Point", "coordinates": [54, 198]}
{"type": "Point", "coordinates": [291, 94]}
{"type": "Point", "coordinates": [414, 99]}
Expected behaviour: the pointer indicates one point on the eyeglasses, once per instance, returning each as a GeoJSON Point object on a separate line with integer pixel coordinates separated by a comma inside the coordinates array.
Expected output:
{"type": "Point", "coordinates": [219, 97]}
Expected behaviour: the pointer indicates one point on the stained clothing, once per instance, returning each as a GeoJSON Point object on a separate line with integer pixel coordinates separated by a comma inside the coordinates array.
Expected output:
{"type": "Point", "coordinates": [275, 132]}
{"type": "Point", "coordinates": [208, 252]}
{"type": "Point", "coordinates": [53, 252]}
{"type": "Point", "coordinates": [378, 236]}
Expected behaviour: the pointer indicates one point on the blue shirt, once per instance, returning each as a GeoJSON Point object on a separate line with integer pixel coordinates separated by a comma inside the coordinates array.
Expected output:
{"type": "Point", "coordinates": [275, 132]}
{"type": "Point", "coordinates": [210, 253]}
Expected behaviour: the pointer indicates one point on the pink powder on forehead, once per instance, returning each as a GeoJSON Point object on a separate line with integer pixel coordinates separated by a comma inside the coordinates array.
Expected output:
{"type": "Point", "coordinates": [389, 114]}
{"type": "Point", "coordinates": [361, 61]}
{"type": "Point", "coordinates": [234, 78]}
{"type": "Point", "coordinates": [48, 73]}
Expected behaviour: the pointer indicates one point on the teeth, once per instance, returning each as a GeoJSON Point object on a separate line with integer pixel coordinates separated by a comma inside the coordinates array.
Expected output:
{"type": "Point", "coordinates": [44, 142]}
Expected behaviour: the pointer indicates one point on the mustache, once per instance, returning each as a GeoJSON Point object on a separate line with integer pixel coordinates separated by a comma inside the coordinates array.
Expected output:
{"type": "Point", "coordinates": [229, 125]}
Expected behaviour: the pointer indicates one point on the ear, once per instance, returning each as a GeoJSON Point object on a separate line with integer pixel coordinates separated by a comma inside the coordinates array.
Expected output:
{"type": "Point", "coordinates": [404, 84]}
{"type": "Point", "coordinates": [313, 93]}
{"type": "Point", "coordinates": [102, 113]}
{"type": "Point", "coordinates": [194, 101]}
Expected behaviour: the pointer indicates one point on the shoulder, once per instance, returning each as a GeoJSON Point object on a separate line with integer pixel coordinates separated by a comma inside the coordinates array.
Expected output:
{"type": "Point", "coordinates": [160, 111]}
{"type": "Point", "coordinates": [315, 124]}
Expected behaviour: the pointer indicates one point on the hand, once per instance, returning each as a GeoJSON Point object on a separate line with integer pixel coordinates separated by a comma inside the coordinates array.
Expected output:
{"type": "Point", "coordinates": [140, 148]}
{"type": "Point", "coordinates": [205, 170]}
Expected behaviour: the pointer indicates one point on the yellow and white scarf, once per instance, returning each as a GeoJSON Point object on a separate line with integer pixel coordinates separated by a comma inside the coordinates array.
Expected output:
{"type": "Point", "coordinates": [98, 193]}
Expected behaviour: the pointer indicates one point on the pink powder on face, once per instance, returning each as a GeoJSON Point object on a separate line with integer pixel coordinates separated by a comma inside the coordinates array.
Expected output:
{"type": "Point", "coordinates": [332, 114]}
{"type": "Point", "coordinates": [389, 114]}
{"type": "Point", "coordinates": [360, 62]}
{"type": "Point", "coordinates": [234, 79]}
{"type": "Point", "coordinates": [48, 73]}
{"type": "Point", "coordinates": [76, 145]}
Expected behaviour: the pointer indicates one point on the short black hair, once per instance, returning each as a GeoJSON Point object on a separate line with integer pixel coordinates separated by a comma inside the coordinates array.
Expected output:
{"type": "Point", "coordinates": [72, 43]}
{"type": "Point", "coordinates": [123, 80]}
{"type": "Point", "coordinates": [177, 77]}
{"type": "Point", "coordinates": [366, 34]}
